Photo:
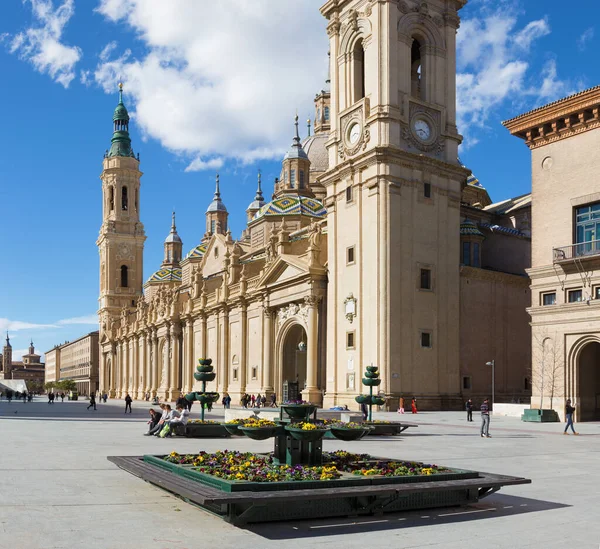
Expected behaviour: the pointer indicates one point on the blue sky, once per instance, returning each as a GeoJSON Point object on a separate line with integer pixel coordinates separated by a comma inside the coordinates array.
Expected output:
{"type": "Point", "coordinates": [212, 86]}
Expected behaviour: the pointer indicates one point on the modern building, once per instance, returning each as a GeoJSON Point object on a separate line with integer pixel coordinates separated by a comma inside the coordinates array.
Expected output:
{"type": "Point", "coordinates": [76, 360]}
{"type": "Point", "coordinates": [564, 139]}
{"type": "Point", "coordinates": [378, 247]}
{"type": "Point", "coordinates": [29, 369]}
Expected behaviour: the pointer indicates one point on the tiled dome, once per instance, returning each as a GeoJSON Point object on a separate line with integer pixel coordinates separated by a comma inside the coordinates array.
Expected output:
{"type": "Point", "coordinates": [198, 251]}
{"type": "Point", "coordinates": [468, 227]}
{"type": "Point", "coordinates": [292, 205]}
{"type": "Point", "coordinates": [166, 275]}
{"type": "Point", "coordinates": [316, 151]}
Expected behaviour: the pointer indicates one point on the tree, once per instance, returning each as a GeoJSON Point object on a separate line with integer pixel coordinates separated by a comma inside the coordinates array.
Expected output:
{"type": "Point", "coordinates": [35, 386]}
{"type": "Point", "coordinates": [547, 368]}
{"type": "Point", "coordinates": [67, 385]}
{"type": "Point", "coordinates": [50, 385]}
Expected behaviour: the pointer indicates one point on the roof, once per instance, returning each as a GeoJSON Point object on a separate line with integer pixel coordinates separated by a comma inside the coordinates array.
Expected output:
{"type": "Point", "coordinates": [468, 227]}
{"type": "Point", "coordinates": [505, 230]}
{"type": "Point", "coordinates": [558, 102]}
{"type": "Point", "coordinates": [170, 274]}
{"type": "Point", "coordinates": [510, 205]}
{"type": "Point", "coordinates": [315, 149]}
{"type": "Point", "coordinates": [197, 252]}
{"type": "Point", "coordinates": [292, 205]}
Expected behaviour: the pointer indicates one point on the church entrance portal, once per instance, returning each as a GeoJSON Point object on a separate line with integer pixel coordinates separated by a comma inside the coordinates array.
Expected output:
{"type": "Point", "coordinates": [293, 365]}
{"type": "Point", "coordinates": [589, 382]}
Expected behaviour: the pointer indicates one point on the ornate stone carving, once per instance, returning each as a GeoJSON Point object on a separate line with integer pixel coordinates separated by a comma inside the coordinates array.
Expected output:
{"type": "Point", "coordinates": [403, 6]}
{"type": "Point", "coordinates": [291, 311]}
{"type": "Point", "coordinates": [350, 307]}
{"type": "Point", "coordinates": [124, 252]}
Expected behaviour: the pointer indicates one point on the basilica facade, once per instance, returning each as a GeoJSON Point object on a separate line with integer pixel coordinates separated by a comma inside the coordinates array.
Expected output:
{"type": "Point", "coordinates": [378, 247]}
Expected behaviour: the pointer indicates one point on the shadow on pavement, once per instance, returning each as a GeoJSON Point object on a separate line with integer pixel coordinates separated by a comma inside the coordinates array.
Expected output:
{"type": "Point", "coordinates": [496, 506]}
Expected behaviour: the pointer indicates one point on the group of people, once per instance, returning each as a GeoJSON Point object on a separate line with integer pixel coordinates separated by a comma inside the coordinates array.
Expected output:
{"type": "Point", "coordinates": [257, 401]}
{"type": "Point", "coordinates": [55, 396]}
{"type": "Point", "coordinates": [413, 405]}
{"type": "Point", "coordinates": [163, 425]}
{"type": "Point", "coordinates": [24, 396]}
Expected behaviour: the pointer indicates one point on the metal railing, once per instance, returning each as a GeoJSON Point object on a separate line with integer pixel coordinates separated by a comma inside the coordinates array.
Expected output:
{"type": "Point", "coordinates": [580, 250]}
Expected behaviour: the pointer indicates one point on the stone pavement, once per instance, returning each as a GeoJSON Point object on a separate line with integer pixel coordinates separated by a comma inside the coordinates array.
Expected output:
{"type": "Point", "coordinates": [59, 491]}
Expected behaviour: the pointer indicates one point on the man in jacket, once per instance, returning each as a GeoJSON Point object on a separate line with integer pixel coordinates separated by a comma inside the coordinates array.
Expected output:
{"type": "Point", "coordinates": [485, 419]}
{"type": "Point", "coordinates": [569, 412]}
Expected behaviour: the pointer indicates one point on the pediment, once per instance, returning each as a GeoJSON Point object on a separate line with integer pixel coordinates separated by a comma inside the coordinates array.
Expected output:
{"type": "Point", "coordinates": [283, 268]}
{"type": "Point", "coordinates": [214, 257]}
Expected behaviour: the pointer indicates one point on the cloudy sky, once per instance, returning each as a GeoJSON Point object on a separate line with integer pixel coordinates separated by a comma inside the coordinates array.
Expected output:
{"type": "Point", "coordinates": [212, 86]}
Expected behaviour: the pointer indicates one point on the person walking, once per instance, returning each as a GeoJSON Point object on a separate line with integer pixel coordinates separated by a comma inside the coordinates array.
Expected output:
{"type": "Point", "coordinates": [128, 401]}
{"type": "Point", "coordinates": [62, 397]}
{"type": "Point", "coordinates": [469, 408]}
{"type": "Point", "coordinates": [569, 411]}
{"type": "Point", "coordinates": [273, 400]}
{"type": "Point", "coordinates": [92, 402]}
{"type": "Point", "coordinates": [485, 419]}
{"type": "Point", "coordinates": [413, 406]}
{"type": "Point", "coordinates": [401, 405]}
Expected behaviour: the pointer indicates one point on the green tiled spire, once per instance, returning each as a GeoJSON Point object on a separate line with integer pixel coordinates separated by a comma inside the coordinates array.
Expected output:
{"type": "Point", "coordinates": [121, 142]}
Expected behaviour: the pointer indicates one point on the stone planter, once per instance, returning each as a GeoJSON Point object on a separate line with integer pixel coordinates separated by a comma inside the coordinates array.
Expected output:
{"type": "Point", "coordinates": [306, 436]}
{"type": "Point", "coordinates": [384, 428]}
{"type": "Point", "coordinates": [540, 416]}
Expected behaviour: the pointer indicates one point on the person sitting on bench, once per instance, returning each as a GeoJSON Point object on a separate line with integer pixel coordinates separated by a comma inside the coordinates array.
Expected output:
{"type": "Point", "coordinates": [178, 420]}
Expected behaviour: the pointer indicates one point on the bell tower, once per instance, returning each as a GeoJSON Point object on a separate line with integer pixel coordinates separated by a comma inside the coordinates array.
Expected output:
{"type": "Point", "coordinates": [393, 195]}
{"type": "Point", "coordinates": [121, 240]}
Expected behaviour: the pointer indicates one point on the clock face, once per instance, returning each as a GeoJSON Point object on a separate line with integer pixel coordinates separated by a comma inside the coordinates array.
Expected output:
{"type": "Point", "coordinates": [354, 134]}
{"type": "Point", "coordinates": [422, 129]}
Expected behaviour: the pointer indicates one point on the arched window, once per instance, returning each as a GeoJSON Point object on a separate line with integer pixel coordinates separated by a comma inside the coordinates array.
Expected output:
{"type": "Point", "coordinates": [124, 199]}
{"type": "Point", "coordinates": [416, 70]}
{"type": "Point", "coordinates": [292, 179]}
{"type": "Point", "coordinates": [112, 198]}
{"type": "Point", "coordinates": [124, 277]}
{"type": "Point", "coordinates": [301, 185]}
{"type": "Point", "coordinates": [358, 58]}
{"type": "Point", "coordinates": [213, 225]}
{"type": "Point", "coordinates": [327, 113]}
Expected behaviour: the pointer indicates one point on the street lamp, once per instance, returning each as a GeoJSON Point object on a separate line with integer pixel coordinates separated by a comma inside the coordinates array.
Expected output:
{"type": "Point", "coordinates": [493, 365]}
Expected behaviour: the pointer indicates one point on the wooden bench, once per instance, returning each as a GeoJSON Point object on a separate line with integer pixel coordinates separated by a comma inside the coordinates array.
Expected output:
{"type": "Point", "coordinates": [242, 507]}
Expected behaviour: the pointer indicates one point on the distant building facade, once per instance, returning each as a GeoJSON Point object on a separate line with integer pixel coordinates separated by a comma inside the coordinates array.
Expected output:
{"type": "Point", "coordinates": [377, 247]}
{"type": "Point", "coordinates": [564, 138]}
{"type": "Point", "coordinates": [76, 360]}
{"type": "Point", "coordinates": [30, 368]}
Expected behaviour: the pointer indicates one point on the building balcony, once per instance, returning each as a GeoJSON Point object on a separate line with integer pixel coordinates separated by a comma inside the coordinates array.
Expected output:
{"type": "Point", "coordinates": [581, 251]}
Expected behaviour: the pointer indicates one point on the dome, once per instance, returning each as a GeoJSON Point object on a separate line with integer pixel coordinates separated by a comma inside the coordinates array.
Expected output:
{"type": "Point", "coordinates": [216, 206]}
{"type": "Point", "coordinates": [317, 152]}
{"type": "Point", "coordinates": [173, 238]}
{"type": "Point", "coordinates": [256, 205]}
{"type": "Point", "coordinates": [165, 275]}
{"type": "Point", "coordinates": [292, 205]}
{"type": "Point", "coordinates": [120, 113]}
{"type": "Point", "coordinates": [468, 227]}
{"type": "Point", "coordinates": [295, 152]}
{"type": "Point", "coordinates": [197, 252]}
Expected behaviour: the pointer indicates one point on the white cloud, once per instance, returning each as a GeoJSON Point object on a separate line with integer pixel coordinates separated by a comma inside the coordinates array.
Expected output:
{"type": "Point", "coordinates": [494, 69]}
{"type": "Point", "coordinates": [16, 325]}
{"type": "Point", "coordinates": [17, 354]}
{"type": "Point", "coordinates": [198, 164]}
{"type": "Point", "coordinates": [41, 43]}
{"type": "Point", "coordinates": [218, 80]}
{"type": "Point", "coordinates": [583, 40]}
{"type": "Point", "coordinates": [88, 319]}
{"type": "Point", "coordinates": [531, 32]}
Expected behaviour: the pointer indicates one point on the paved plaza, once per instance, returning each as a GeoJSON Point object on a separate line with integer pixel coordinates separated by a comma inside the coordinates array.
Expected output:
{"type": "Point", "coordinates": [59, 491]}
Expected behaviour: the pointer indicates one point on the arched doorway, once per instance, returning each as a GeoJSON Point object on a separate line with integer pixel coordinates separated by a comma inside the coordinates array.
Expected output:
{"type": "Point", "coordinates": [589, 382]}
{"type": "Point", "coordinates": [293, 363]}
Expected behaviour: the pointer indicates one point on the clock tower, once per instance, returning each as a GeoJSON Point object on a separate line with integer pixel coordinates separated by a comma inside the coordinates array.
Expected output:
{"type": "Point", "coordinates": [121, 240]}
{"type": "Point", "coordinates": [393, 195]}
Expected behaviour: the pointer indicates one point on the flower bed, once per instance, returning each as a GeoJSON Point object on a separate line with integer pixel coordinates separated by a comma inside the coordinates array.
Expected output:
{"type": "Point", "coordinates": [233, 471]}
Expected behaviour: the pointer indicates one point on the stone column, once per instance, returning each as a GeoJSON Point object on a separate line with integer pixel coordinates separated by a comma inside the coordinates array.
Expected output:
{"type": "Point", "coordinates": [244, 354]}
{"type": "Point", "coordinates": [224, 358]}
{"type": "Point", "coordinates": [312, 392]}
{"type": "Point", "coordinates": [113, 373]}
{"type": "Point", "coordinates": [175, 363]}
{"type": "Point", "coordinates": [267, 348]}
{"type": "Point", "coordinates": [141, 366]}
{"type": "Point", "coordinates": [155, 364]}
{"type": "Point", "coordinates": [191, 358]}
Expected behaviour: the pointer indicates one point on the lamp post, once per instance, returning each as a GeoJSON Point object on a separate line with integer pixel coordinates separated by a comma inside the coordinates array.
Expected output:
{"type": "Point", "coordinates": [493, 365]}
